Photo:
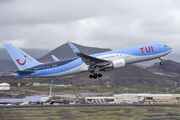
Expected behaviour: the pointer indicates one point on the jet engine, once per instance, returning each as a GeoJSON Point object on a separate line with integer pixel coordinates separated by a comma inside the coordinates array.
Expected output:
{"type": "Point", "coordinates": [115, 64]}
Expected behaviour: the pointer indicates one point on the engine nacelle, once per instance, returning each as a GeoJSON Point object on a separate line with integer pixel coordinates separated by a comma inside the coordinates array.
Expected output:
{"type": "Point", "coordinates": [116, 64]}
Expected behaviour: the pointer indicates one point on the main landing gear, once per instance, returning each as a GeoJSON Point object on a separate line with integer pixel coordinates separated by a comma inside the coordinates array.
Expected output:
{"type": "Point", "coordinates": [95, 75]}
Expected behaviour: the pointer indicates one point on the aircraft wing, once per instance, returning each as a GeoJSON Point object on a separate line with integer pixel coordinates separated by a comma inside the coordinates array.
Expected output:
{"type": "Point", "coordinates": [87, 59]}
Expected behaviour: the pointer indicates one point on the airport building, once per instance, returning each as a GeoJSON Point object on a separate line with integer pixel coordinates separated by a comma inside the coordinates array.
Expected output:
{"type": "Point", "coordinates": [4, 86]}
{"type": "Point", "coordinates": [147, 98]}
{"type": "Point", "coordinates": [100, 99]}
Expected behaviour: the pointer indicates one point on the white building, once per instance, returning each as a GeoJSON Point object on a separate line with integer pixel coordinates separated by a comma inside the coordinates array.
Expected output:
{"type": "Point", "coordinates": [147, 98]}
{"type": "Point", "coordinates": [4, 86]}
{"type": "Point", "coordinates": [36, 84]}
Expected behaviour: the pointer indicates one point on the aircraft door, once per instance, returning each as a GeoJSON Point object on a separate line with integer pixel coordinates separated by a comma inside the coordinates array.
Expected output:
{"type": "Point", "coordinates": [157, 48]}
{"type": "Point", "coordinates": [48, 68]}
{"type": "Point", "coordinates": [127, 54]}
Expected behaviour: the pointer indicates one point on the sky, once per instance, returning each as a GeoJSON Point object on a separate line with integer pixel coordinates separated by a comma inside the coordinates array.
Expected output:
{"type": "Point", "coordinates": [114, 24]}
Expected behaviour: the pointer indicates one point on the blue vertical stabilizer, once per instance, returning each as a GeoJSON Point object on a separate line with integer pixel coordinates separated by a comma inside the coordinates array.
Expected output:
{"type": "Point", "coordinates": [22, 60]}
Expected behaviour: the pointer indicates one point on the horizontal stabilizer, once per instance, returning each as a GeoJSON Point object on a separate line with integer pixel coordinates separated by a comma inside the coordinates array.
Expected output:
{"type": "Point", "coordinates": [24, 72]}
{"type": "Point", "coordinates": [55, 58]}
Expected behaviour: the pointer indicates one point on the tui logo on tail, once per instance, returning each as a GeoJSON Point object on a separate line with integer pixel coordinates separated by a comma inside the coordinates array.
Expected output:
{"type": "Point", "coordinates": [23, 62]}
{"type": "Point", "coordinates": [73, 48]}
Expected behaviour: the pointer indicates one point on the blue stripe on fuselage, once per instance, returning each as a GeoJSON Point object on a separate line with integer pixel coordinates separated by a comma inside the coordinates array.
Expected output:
{"type": "Point", "coordinates": [50, 65]}
{"type": "Point", "coordinates": [63, 68]}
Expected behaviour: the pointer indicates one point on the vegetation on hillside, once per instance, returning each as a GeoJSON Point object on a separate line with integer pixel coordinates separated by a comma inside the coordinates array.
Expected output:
{"type": "Point", "coordinates": [92, 113]}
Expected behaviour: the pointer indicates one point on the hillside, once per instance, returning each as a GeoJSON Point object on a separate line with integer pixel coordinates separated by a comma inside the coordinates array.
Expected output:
{"type": "Point", "coordinates": [7, 64]}
{"type": "Point", "coordinates": [170, 67]}
{"type": "Point", "coordinates": [129, 76]}
{"type": "Point", "coordinates": [7, 67]}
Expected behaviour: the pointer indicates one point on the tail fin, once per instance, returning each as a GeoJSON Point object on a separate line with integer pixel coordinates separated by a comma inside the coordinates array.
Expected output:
{"type": "Point", "coordinates": [20, 58]}
{"type": "Point", "coordinates": [50, 90]}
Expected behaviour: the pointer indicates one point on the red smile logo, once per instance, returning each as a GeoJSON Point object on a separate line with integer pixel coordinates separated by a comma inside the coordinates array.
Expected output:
{"type": "Point", "coordinates": [21, 63]}
{"type": "Point", "coordinates": [73, 48]}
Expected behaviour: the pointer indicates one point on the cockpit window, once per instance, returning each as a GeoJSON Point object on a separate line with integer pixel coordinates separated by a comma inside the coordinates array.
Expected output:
{"type": "Point", "coordinates": [165, 46]}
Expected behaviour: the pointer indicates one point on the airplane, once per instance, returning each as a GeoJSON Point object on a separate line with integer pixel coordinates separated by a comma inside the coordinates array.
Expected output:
{"type": "Point", "coordinates": [47, 98]}
{"type": "Point", "coordinates": [95, 63]}
{"type": "Point", "coordinates": [22, 101]}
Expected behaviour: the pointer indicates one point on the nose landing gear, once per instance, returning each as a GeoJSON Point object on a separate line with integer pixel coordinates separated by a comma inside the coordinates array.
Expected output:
{"type": "Point", "coordinates": [161, 61]}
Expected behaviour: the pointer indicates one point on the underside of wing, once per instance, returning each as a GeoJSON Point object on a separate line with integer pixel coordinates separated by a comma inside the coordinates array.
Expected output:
{"type": "Point", "coordinates": [87, 59]}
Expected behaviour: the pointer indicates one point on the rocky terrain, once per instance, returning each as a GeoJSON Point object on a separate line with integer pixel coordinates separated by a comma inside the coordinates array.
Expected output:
{"type": "Point", "coordinates": [170, 67]}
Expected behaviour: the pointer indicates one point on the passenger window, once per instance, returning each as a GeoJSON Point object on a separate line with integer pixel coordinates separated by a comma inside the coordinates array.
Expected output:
{"type": "Point", "coordinates": [35, 69]}
{"type": "Point", "coordinates": [48, 67]}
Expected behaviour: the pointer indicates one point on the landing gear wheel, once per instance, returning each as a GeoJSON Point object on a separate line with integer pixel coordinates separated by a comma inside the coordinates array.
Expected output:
{"type": "Point", "coordinates": [91, 76]}
{"type": "Point", "coordinates": [95, 76]}
{"type": "Point", "coordinates": [99, 75]}
{"type": "Point", "coordinates": [161, 63]}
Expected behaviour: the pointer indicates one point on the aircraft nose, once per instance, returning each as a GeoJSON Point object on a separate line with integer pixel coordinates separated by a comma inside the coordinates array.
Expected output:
{"type": "Point", "coordinates": [169, 49]}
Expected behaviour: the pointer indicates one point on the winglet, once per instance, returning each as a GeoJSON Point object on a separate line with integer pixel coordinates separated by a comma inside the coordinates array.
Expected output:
{"type": "Point", "coordinates": [75, 50]}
